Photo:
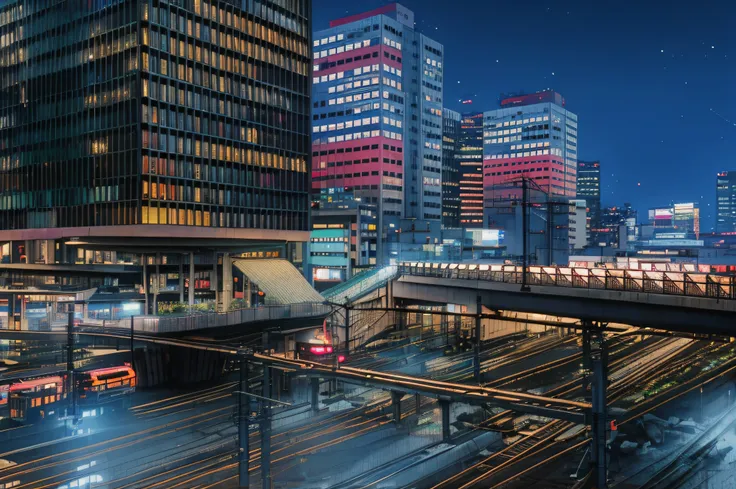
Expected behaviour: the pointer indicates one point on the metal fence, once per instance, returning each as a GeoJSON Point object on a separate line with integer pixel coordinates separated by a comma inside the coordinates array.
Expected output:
{"type": "Point", "coordinates": [361, 285]}
{"type": "Point", "coordinates": [174, 324]}
{"type": "Point", "coordinates": [651, 282]}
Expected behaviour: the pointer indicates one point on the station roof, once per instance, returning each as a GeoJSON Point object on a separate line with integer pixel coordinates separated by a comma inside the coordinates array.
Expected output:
{"type": "Point", "coordinates": [281, 281]}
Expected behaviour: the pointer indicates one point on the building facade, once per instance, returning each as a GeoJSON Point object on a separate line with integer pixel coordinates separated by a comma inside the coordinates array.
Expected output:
{"type": "Point", "coordinates": [589, 188]}
{"type": "Point", "coordinates": [342, 242]}
{"type": "Point", "coordinates": [726, 202]}
{"type": "Point", "coordinates": [450, 169]}
{"type": "Point", "coordinates": [618, 228]}
{"type": "Point", "coordinates": [470, 156]}
{"type": "Point", "coordinates": [532, 136]}
{"type": "Point", "coordinates": [377, 116]}
{"type": "Point", "coordinates": [127, 125]}
{"type": "Point", "coordinates": [579, 224]}
{"type": "Point", "coordinates": [675, 221]}
{"type": "Point", "coordinates": [530, 142]}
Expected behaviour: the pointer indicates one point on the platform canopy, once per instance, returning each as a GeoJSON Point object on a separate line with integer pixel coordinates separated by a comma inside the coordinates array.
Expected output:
{"type": "Point", "coordinates": [281, 281]}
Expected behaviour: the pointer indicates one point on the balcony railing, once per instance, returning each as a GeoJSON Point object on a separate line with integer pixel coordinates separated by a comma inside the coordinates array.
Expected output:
{"type": "Point", "coordinates": [650, 282]}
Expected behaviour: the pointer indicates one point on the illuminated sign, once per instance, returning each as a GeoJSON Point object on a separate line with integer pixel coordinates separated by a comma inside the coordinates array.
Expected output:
{"type": "Point", "coordinates": [487, 237]}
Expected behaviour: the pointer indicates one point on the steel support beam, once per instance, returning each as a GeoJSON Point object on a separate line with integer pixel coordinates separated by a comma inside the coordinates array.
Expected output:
{"type": "Point", "coordinates": [315, 393]}
{"type": "Point", "coordinates": [587, 327]}
{"type": "Point", "coordinates": [599, 436]}
{"type": "Point", "coordinates": [347, 330]}
{"type": "Point", "coordinates": [476, 347]}
{"type": "Point", "coordinates": [396, 406]}
{"type": "Point", "coordinates": [266, 430]}
{"type": "Point", "coordinates": [445, 414]}
{"type": "Point", "coordinates": [418, 402]}
{"type": "Point", "coordinates": [243, 412]}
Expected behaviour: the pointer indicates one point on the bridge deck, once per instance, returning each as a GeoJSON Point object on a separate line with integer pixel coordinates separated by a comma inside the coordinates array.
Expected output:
{"type": "Point", "coordinates": [692, 314]}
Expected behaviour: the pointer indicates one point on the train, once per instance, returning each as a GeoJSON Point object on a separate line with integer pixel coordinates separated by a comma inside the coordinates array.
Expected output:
{"type": "Point", "coordinates": [38, 398]}
{"type": "Point", "coordinates": [317, 344]}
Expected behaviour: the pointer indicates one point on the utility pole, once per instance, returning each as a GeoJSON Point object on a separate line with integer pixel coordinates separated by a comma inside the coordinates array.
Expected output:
{"type": "Point", "coordinates": [266, 430]}
{"type": "Point", "coordinates": [243, 422]}
{"type": "Point", "coordinates": [70, 361]}
{"type": "Point", "coordinates": [476, 350]}
{"type": "Point", "coordinates": [347, 330]}
{"type": "Point", "coordinates": [524, 233]}
{"type": "Point", "coordinates": [599, 435]}
{"type": "Point", "coordinates": [132, 349]}
{"type": "Point", "coordinates": [550, 231]}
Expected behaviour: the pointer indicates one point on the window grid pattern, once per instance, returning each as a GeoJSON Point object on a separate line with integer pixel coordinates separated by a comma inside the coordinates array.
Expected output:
{"type": "Point", "coordinates": [150, 112]}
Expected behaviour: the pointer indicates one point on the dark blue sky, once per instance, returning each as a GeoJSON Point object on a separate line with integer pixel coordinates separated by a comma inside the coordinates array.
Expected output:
{"type": "Point", "coordinates": [652, 81]}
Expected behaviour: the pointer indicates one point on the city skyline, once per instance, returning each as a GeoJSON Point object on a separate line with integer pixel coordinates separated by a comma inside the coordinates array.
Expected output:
{"type": "Point", "coordinates": [653, 100]}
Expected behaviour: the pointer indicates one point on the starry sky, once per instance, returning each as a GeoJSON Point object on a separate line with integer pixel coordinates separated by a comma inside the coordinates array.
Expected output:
{"type": "Point", "coordinates": [652, 81]}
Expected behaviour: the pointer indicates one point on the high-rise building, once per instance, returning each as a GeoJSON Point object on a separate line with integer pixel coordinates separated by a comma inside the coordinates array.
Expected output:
{"type": "Point", "coordinates": [470, 156]}
{"type": "Point", "coordinates": [146, 126]}
{"type": "Point", "coordinates": [589, 188]}
{"type": "Point", "coordinates": [726, 202]}
{"type": "Point", "coordinates": [618, 228]}
{"type": "Point", "coordinates": [377, 116]}
{"type": "Point", "coordinates": [675, 221]}
{"type": "Point", "coordinates": [531, 141]}
{"type": "Point", "coordinates": [533, 136]}
{"type": "Point", "coordinates": [343, 242]}
{"type": "Point", "coordinates": [450, 169]}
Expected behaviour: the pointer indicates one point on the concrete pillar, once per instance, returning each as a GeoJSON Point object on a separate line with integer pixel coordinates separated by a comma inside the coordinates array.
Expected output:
{"type": "Point", "coordinates": [227, 281]}
{"type": "Point", "coordinates": [213, 281]}
{"type": "Point", "coordinates": [315, 393]}
{"type": "Point", "coordinates": [445, 415]}
{"type": "Point", "coordinates": [157, 283]}
{"type": "Point", "coordinates": [145, 283]}
{"type": "Point", "coordinates": [191, 279]}
{"type": "Point", "coordinates": [50, 251]}
{"type": "Point", "coordinates": [248, 293]}
{"type": "Point", "coordinates": [181, 278]}
{"type": "Point", "coordinates": [396, 405]}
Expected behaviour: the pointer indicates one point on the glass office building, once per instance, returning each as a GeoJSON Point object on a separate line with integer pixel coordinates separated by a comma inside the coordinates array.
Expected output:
{"type": "Point", "coordinates": [191, 113]}
{"type": "Point", "coordinates": [377, 117]}
{"type": "Point", "coordinates": [145, 139]}
{"type": "Point", "coordinates": [589, 189]}
{"type": "Point", "coordinates": [470, 156]}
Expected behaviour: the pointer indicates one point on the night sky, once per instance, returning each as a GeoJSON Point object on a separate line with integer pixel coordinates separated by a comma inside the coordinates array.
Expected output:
{"type": "Point", "coordinates": [651, 81]}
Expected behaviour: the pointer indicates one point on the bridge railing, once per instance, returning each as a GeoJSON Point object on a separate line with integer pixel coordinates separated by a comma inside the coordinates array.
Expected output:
{"type": "Point", "coordinates": [651, 282]}
{"type": "Point", "coordinates": [175, 324]}
{"type": "Point", "coordinates": [362, 284]}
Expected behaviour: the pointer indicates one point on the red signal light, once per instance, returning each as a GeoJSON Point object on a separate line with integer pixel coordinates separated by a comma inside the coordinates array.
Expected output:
{"type": "Point", "coordinates": [321, 350]}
